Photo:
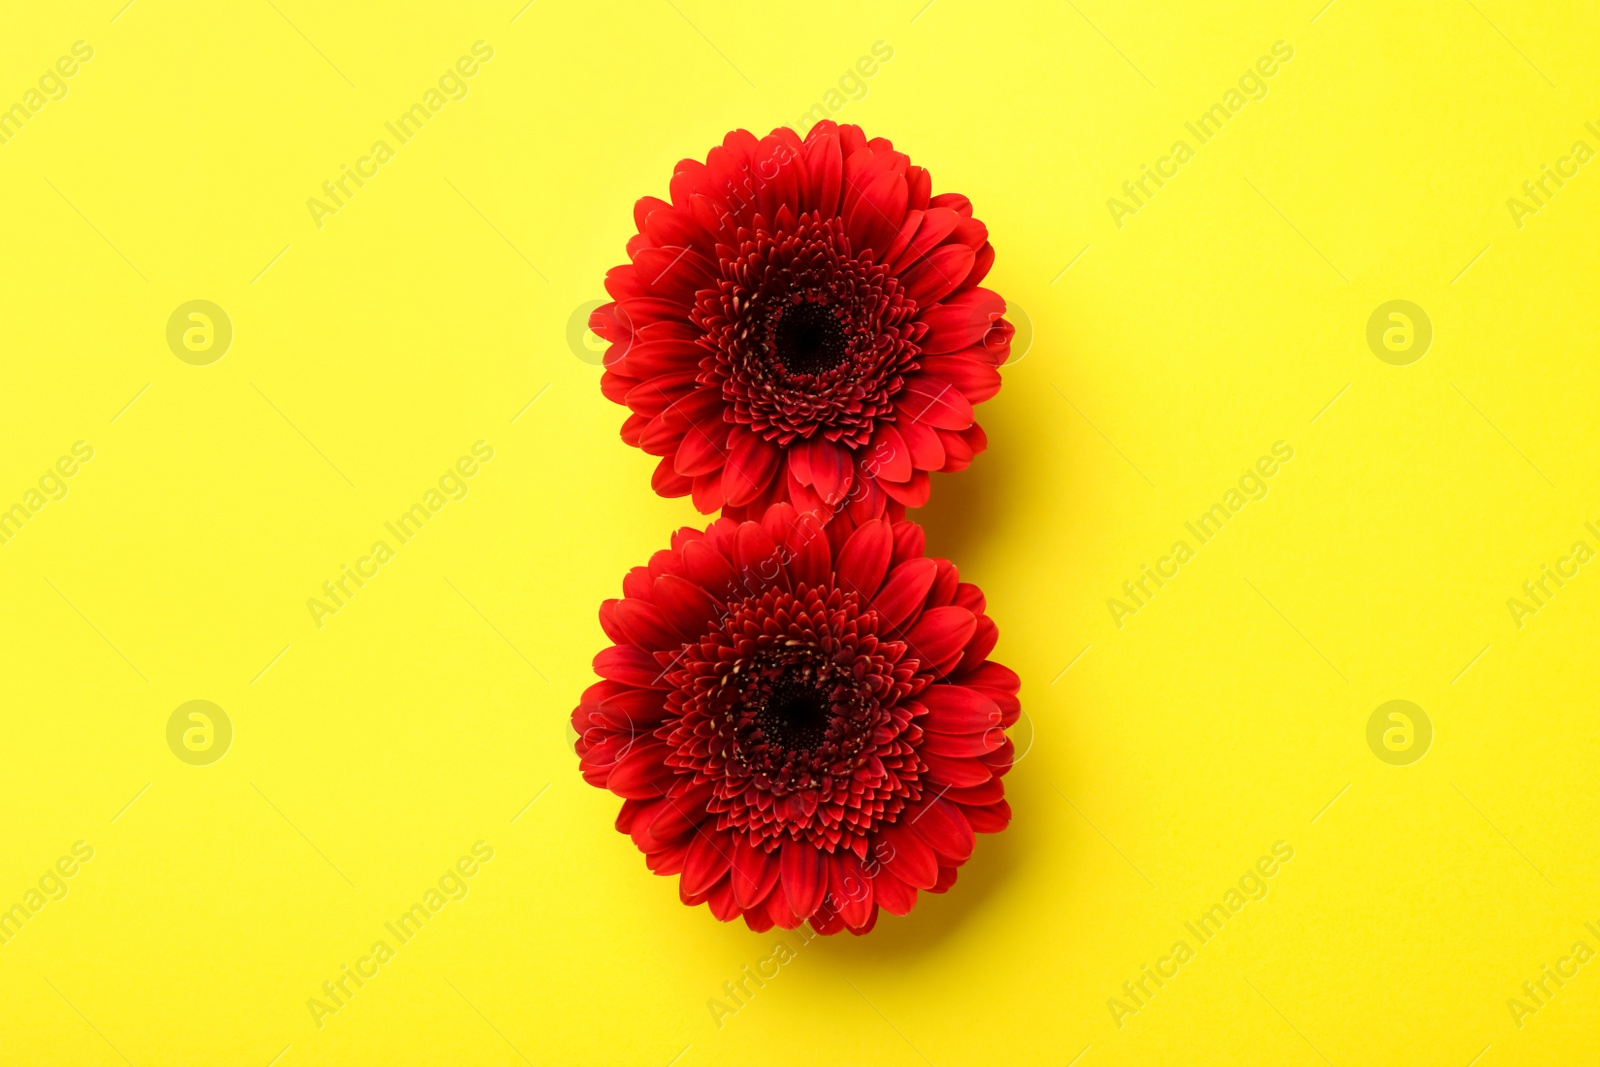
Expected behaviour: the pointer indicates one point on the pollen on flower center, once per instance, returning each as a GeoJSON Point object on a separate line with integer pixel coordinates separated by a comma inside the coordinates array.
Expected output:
{"type": "Point", "coordinates": [809, 339]}
{"type": "Point", "coordinates": [796, 715]}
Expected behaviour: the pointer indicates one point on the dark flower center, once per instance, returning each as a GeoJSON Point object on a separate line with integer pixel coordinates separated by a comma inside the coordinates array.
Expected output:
{"type": "Point", "coordinates": [809, 339]}
{"type": "Point", "coordinates": [796, 715]}
{"type": "Point", "coordinates": [804, 336]}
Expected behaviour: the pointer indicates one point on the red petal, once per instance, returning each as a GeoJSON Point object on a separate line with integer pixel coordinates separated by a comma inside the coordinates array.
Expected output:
{"type": "Point", "coordinates": [939, 274]}
{"type": "Point", "coordinates": [974, 438]}
{"type": "Point", "coordinates": [937, 224]}
{"type": "Point", "coordinates": [993, 676]}
{"type": "Point", "coordinates": [703, 450]}
{"type": "Point", "coordinates": [670, 560]}
{"type": "Point", "coordinates": [944, 585]}
{"type": "Point", "coordinates": [941, 633]}
{"type": "Point", "coordinates": [707, 860]}
{"type": "Point", "coordinates": [960, 773]}
{"type": "Point", "coordinates": [636, 707]}
{"type": "Point", "coordinates": [904, 591]}
{"type": "Point", "coordinates": [865, 558]}
{"type": "Point", "coordinates": [980, 266]}
{"type": "Point", "coordinates": [830, 468]}
{"type": "Point", "coordinates": [826, 921]}
{"type": "Point", "coordinates": [601, 690]}
{"type": "Point", "coordinates": [648, 359]}
{"type": "Point", "coordinates": [658, 438]}
{"type": "Point", "coordinates": [978, 795]}
{"type": "Point", "coordinates": [709, 213]}
{"type": "Point", "coordinates": [921, 185]}
{"type": "Point", "coordinates": [963, 445]}
{"type": "Point", "coordinates": [895, 896]}
{"type": "Point", "coordinates": [608, 622]}
{"type": "Point", "coordinates": [851, 139]}
{"type": "Point", "coordinates": [626, 664]}
{"type": "Point", "coordinates": [645, 627]}
{"type": "Point", "coordinates": [600, 745]}
{"type": "Point", "coordinates": [644, 838]}
{"type": "Point", "coordinates": [825, 161]}
{"type": "Point", "coordinates": [779, 521]}
{"type": "Point", "coordinates": [668, 482]}
{"type": "Point", "coordinates": [957, 454]}
{"type": "Point", "coordinates": [908, 230]}
{"type": "Point", "coordinates": [700, 406]}
{"type": "Point", "coordinates": [674, 273]}
{"type": "Point", "coordinates": [876, 214]}
{"type": "Point", "coordinates": [757, 557]}
{"type": "Point", "coordinates": [982, 643]}
{"type": "Point", "coordinates": [782, 915]}
{"type": "Point", "coordinates": [707, 493]}
{"type": "Point", "coordinates": [805, 877]}
{"type": "Point", "coordinates": [909, 859]}
{"type": "Point", "coordinates": [945, 829]}
{"type": "Point", "coordinates": [958, 745]}
{"type": "Point", "coordinates": [679, 816]}
{"type": "Point", "coordinates": [609, 322]}
{"type": "Point", "coordinates": [888, 457]}
{"type": "Point", "coordinates": [641, 774]}
{"type": "Point", "coordinates": [637, 813]}
{"type": "Point", "coordinates": [995, 348]}
{"type": "Point", "coordinates": [755, 872]}
{"type": "Point", "coordinates": [720, 901]}
{"type": "Point", "coordinates": [927, 452]}
{"type": "Point", "coordinates": [642, 208]}
{"type": "Point", "coordinates": [975, 377]}
{"type": "Point", "coordinates": [750, 466]}
{"type": "Point", "coordinates": [684, 605]}
{"type": "Point", "coordinates": [999, 761]}
{"type": "Point", "coordinates": [870, 503]}
{"type": "Point", "coordinates": [933, 401]}
{"type": "Point", "coordinates": [709, 569]}
{"type": "Point", "coordinates": [909, 542]}
{"type": "Point", "coordinates": [655, 395]}
{"type": "Point", "coordinates": [990, 819]}
{"type": "Point", "coordinates": [866, 927]}
{"type": "Point", "coordinates": [667, 226]}
{"type": "Point", "coordinates": [912, 494]}
{"type": "Point", "coordinates": [615, 387]}
{"type": "Point", "coordinates": [849, 890]}
{"type": "Point", "coordinates": [961, 321]}
{"type": "Point", "coordinates": [639, 311]}
{"type": "Point", "coordinates": [955, 709]}
{"type": "Point", "coordinates": [956, 201]}
{"type": "Point", "coordinates": [668, 861]}
{"type": "Point", "coordinates": [688, 178]}
{"type": "Point", "coordinates": [810, 558]}
{"type": "Point", "coordinates": [636, 583]}
{"type": "Point", "coordinates": [799, 456]}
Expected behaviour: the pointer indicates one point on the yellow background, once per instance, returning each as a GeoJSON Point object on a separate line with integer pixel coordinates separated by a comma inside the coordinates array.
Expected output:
{"type": "Point", "coordinates": [1230, 713]}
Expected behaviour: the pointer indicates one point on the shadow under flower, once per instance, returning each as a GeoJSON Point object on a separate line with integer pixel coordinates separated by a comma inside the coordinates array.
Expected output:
{"type": "Point", "coordinates": [958, 519]}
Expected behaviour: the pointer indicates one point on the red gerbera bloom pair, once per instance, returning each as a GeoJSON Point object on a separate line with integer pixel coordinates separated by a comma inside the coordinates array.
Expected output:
{"type": "Point", "coordinates": [798, 708]}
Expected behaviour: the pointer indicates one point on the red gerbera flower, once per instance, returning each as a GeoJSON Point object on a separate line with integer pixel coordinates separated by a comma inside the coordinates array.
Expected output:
{"type": "Point", "coordinates": [804, 323]}
{"type": "Point", "coordinates": [802, 720]}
